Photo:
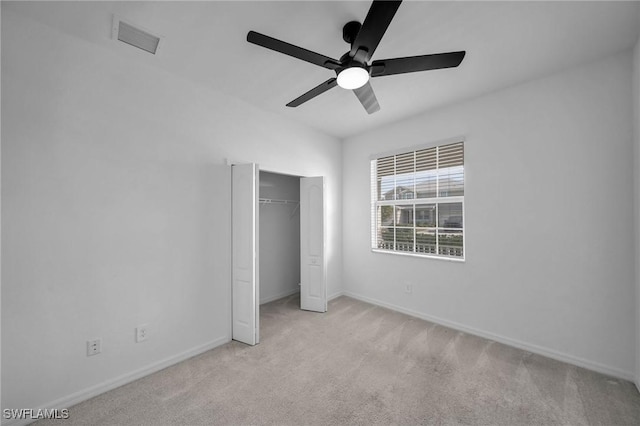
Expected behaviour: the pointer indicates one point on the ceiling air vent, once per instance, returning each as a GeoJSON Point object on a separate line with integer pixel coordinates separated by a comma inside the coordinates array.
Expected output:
{"type": "Point", "coordinates": [135, 36]}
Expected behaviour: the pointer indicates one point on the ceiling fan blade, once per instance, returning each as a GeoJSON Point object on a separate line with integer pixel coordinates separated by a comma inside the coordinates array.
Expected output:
{"type": "Point", "coordinates": [416, 63]}
{"type": "Point", "coordinates": [373, 28]}
{"type": "Point", "coordinates": [291, 50]}
{"type": "Point", "coordinates": [367, 98]}
{"type": "Point", "coordinates": [318, 90]}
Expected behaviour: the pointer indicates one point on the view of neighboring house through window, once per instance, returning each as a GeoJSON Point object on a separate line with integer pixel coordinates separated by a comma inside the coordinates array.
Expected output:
{"type": "Point", "coordinates": [417, 203]}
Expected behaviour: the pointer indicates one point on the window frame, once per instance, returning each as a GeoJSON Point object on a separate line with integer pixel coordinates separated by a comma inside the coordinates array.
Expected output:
{"type": "Point", "coordinates": [375, 203]}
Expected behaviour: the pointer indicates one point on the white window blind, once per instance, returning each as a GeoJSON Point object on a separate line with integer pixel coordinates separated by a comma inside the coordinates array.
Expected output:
{"type": "Point", "coordinates": [417, 202]}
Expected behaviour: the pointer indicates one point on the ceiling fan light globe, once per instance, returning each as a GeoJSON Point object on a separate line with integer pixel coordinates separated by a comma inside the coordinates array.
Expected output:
{"type": "Point", "coordinates": [353, 78]}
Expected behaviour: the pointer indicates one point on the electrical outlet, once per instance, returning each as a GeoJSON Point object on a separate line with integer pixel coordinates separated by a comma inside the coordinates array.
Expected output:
{"type": "Point", "coordinates": [408, 287]}
{"type": "Point", "coordinates": [94, 347]}
{"type": "Point", "coordinates": [142, 333]}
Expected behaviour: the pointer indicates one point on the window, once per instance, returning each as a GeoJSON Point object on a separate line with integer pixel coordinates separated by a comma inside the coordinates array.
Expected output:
{"type": "Point", "coordinates": [417, 202]}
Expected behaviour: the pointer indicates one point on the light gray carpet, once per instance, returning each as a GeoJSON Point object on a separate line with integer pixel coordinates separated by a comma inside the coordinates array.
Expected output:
{"type": "Point", "coordinates": [362, 364]}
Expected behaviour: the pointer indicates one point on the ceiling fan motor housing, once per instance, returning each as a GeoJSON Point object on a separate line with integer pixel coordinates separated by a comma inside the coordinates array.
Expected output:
{"type": "Point", "coordinates": [346, 61]}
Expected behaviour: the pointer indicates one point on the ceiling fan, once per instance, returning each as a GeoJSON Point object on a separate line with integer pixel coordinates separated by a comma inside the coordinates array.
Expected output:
{"type": "Point", "coordinates": [353, 69]}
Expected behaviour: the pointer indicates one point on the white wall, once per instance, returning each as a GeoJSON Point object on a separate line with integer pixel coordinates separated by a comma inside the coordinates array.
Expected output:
{"type": "Point", "coordinates": [548, 208]}
{"type": "Point", "coordinates": [116, 211]}
{"type": "Point", "coordinates": [636, 169]}
{"type": "Point", "coordinates": [0, 237]}
{"type": "Point", "coordinates": [279, 237]}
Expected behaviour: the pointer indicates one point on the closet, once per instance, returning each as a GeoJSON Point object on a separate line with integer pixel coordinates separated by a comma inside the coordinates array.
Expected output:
{"type": "Point", "coordinates": [279, 241]}
{"type": "Point", "coordinates": [278, 244]}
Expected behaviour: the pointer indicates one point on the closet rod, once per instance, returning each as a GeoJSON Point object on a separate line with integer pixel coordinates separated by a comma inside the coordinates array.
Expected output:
{"type": "Point", "coordinates": [274, 201]}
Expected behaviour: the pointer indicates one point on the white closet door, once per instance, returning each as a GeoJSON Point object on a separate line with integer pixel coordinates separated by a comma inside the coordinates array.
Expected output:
{"type": "Point", "coordinates": [244, 209]}
{"type": "Point", "coordinates": [313, 292]}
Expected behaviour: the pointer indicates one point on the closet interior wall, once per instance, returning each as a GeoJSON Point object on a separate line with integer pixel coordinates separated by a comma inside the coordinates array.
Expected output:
{"type": "Point", "coordinates": [279, 236]}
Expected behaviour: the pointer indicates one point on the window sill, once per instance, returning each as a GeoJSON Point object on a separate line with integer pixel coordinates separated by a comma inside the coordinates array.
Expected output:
{"type": "Point", "coordinates": [423, 256]}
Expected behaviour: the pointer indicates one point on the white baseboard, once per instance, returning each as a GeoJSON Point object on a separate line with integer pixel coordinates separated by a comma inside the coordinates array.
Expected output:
{"type": "Point", "coordinates": [90, 392]}
{"type": "Point", "coordinates": [335, 295]}
{"type": "Point", "coordinates": [549, 353]}
{"type": "Point", "coordinates": [280, 296]}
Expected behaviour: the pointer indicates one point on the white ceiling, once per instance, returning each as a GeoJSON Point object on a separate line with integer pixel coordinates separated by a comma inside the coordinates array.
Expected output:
{"type": "Point", "coordinates": [506, 43]}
